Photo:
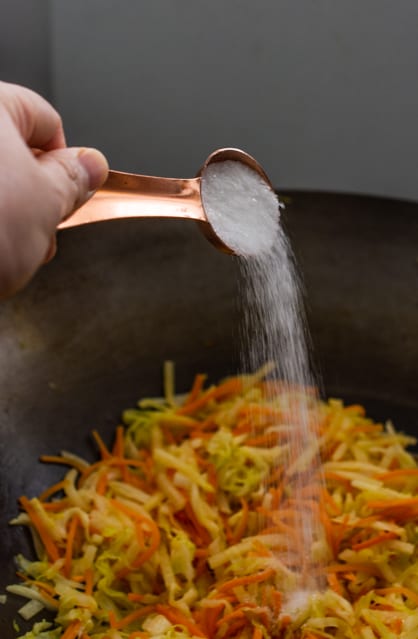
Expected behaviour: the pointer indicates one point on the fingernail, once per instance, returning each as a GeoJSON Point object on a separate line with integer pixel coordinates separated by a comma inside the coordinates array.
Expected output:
{"type": "Point", "coordinates": [96, 166]}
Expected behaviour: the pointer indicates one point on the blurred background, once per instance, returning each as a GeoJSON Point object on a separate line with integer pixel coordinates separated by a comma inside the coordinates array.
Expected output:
{"type": "Point", "coordinates": [324, 94]}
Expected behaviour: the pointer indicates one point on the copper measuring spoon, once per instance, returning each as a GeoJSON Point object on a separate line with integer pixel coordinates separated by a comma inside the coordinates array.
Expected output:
{"type": "Point", "coordinates": [127, 195]}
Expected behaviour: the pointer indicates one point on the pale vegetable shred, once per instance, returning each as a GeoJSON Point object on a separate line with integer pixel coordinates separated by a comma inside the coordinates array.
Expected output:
{"type": "Point", "coordinates": [180, 529]}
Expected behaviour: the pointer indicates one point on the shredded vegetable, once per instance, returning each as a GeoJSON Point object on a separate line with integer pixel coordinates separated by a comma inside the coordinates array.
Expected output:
{"type": "Point", "coordinates": [181, 529]}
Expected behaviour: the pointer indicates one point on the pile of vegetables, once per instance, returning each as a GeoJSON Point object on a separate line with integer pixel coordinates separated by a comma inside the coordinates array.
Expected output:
{"type": "Point", "coordinates": [190, 524]}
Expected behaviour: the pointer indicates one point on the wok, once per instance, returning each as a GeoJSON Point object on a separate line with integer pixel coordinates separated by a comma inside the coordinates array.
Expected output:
{"type": "Point", "coordinates": [87, 338]}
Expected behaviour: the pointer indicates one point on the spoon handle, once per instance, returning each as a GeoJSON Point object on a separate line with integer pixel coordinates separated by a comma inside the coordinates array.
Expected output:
{"type": "Point", "coordinates": [126, 195]}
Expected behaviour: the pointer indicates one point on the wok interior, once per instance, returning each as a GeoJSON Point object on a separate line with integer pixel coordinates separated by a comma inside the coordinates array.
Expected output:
{"type": "Point", "coordinates": [88, 337]}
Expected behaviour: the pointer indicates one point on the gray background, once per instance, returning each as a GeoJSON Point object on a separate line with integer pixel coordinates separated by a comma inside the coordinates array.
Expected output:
{"type": "Point", "coordinates": [324, 93]}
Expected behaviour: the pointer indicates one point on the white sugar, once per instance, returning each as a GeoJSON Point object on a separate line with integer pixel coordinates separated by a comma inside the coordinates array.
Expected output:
{"type": "Point", "coordinates": [245, 215]}
{"type": "Point", "coordinates": [240, 206]}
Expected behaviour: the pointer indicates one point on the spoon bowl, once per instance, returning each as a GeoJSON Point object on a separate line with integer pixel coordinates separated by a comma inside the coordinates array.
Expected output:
{"type": "Point", "coordinates": [127, 195]}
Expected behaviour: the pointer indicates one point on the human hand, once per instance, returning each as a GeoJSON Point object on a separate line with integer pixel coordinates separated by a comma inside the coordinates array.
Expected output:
{"type": "Point", "coordinates": [42, 182]}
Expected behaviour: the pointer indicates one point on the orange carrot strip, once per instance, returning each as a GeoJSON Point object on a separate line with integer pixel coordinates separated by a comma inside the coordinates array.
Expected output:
{"type": "Point", "coordinates": [277, 601]}
{"type": "Point", "coordinates": [399, 590]}
{"type": "Point", "coordinates": [89, 579]}
{"type": "Point", "coordinates": [112, 461]}
{"type": "Point", "coordinates": [119, 443]}
{"type": "Point", "coordinates": [46, 538]}
{"type": "Point", "coordinates": [112, 619]}
{"type": "Point", "coordinates": [178, 618]}
{"type": "Point", "coordinates": [47, 591]}
{"type": "Point", "coordinates": [248, 579]}
{"type": "Point", "coordinates": [133, 596]}
{"type": "Point", "coordinates": [257, 633]}
{"type": "Point", "coordinates": [377, 539]}
{"type": "Point", "coordinates": [335, 584]}
{"type": "Point", "coordinates": [398, 473]}
{"type": "Point", "coordinates": [72, 630]}
{"type": "Point", "coordinates": [260, 410]}
{"type": "Point", "coordinates": [55, 506]}
{"type": "Point", "coordinates": [231, 386]}
{"type": "Point", "coordinates": [103, 449]}
{"type": "Point", "coordinates": [330, 502]}
{"type": "Point", "coordinates": [52, 490]}
{"type": "Point", "coordinates": [356, 409]}
{"type": "Point", "coordinates": [385, 504]}
{"type": "Point", "coordinates": [329, 531]}
{"type": "Point", "coordinates": [101, 485]}
{"type": "Point", "coordinates": [238, 613]}
{"type": "Point", "coordinates": [198, 382]}
{"type": "Point", "coordinates": [396, 625]}
{"type": "Point", "coordinates": [69, 548]}
{"type": "Point", "coordinates": [268, 439]}
{"type": "Point", "coordinates": [133, 616]}
{"type": "Point", "coordinates": [331, 476]}
{"type": "Point", "coordinates": [235, 628]}
{"type": "Point", "coordinates": [211, 615]}
{"type": "Point", "coordinates": [242, 524]}
{"type": "Point", "coordinates": [40, 584]}
{"type": "Point", "coordinates": [154, 535]}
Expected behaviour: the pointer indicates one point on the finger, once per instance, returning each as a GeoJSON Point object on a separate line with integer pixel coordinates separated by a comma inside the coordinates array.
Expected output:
{"type": "Point", "coordinates": [37, 121]}
{"type": "Point", "coordinates": [52, 249]}
{"type": "Point", "coordinates": [71, 176]}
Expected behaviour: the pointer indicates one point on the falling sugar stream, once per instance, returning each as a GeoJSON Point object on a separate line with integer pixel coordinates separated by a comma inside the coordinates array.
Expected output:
{"type": "Point", "coordinates": [245, 211]}
{"type": "Point", "coordinates": [274, 330]}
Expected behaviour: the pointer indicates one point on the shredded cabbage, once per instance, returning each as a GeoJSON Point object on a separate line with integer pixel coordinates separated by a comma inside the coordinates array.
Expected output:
{"type": "Point", "coordinates": [182, 529]}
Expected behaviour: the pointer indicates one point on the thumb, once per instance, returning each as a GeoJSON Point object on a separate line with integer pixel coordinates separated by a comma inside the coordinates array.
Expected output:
{"type": "Point", "coordinates": [71, 175]}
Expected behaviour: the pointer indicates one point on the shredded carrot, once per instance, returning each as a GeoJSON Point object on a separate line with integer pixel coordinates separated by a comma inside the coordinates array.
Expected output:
{"type": "Point", "coordinates": [399, 590]}
{"type": "Point", "coordinates": [335, 584]}
{"type": "Point", "coordinates": [154, 535]}
{"type": "Point", "coordinates": [47, 591]}
{"type": "Point", "coordinates": [399, 473]}
{"type": "Point", "coordinates": [378, 539]}
{"type": "Point", "coordinates": [231, 386]}
{"type": "Point", "coordinates": [199, 380]}
{"type": "Point", "coordinates": [55, 506]}
{"type": "Point", "coordinates": [47, 540]}
{"type": "Point", "coordinates": [72, 630]}
{"type": "Point", "coordinates": [104, 451]}
{"type": "Point", "coordinates": [232, 616]}
{"type": "Point", "coordinates": [242, 525]}
{"type": "Point", "coordinates": [55, 488]}
{"type": "Point", "coordinates": [177, 618]}
{"type": "Point", "coordinates": [330, 502]}
{"type": "Point", "coordinates": [235, 628]}
{"type": "Point", "coordinates": [332, 476]}
{"type": "Point", "coordinates": [102, 483]}
{"type": "Point", "coordinates": [133, 596]}
{"type": "Point", "coordinates": [112, 461]}
{"type": "Point", "coordinates": [119, 444]}
{"type": "Point", "coordinates": [257, 633]}
{"type": "Point", "coordinates": [249, 579]}
{"type": "Point", "coordinates": [128, 619]}
{"type": "Point", "coordinates": [89, 580]}
{"type": "Point", "coordinates": [70, 544]}
{"type": "Point", "coordinates": [268, 439]}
